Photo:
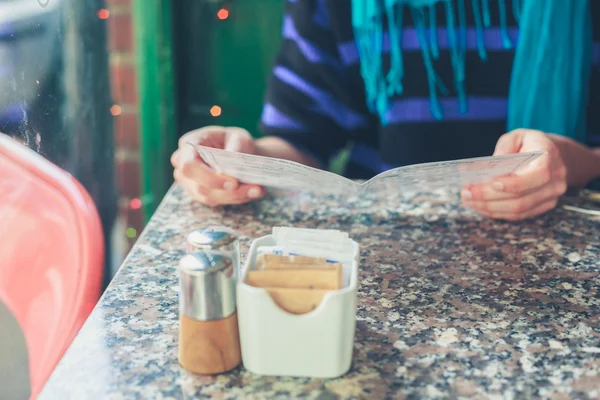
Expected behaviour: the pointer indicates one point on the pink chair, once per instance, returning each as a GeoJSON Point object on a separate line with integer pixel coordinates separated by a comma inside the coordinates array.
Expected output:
{"type": "Point", "coordinates": [51, 254]}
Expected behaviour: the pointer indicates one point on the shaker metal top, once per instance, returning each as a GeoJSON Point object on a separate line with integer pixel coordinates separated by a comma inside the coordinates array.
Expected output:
{"type": "Point", "coordinates": [212, 236]}
{"type": "Point", "coordinates": [205, 262]}
{"type": "Point", "coordinates": [207, 282]}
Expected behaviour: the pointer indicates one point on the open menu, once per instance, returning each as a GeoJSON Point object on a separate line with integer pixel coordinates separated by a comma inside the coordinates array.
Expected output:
{"type": "Point", "coordinates": [284, 174]}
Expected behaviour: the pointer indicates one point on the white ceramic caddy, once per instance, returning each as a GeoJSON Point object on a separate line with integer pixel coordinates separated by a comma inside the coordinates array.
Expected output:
{"type": "Point", "coordinates": [318, 344]}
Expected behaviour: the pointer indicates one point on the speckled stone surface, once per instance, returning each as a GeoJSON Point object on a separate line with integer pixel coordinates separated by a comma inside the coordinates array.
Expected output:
{"type": "Point", "coordinates": [451, 305]}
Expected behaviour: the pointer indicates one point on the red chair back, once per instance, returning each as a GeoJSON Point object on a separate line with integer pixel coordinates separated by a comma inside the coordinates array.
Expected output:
{"type": "Point", "coordinates": [51, 254]}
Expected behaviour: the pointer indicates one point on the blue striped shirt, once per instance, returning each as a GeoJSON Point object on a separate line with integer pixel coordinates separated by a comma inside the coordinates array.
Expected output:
{"type": "Point", "coordinates": [316, 97]}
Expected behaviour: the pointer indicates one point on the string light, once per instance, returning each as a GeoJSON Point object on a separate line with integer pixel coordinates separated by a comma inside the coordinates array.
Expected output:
{"type": "Point", "coordinates": [103, 13]}
{"type": "Point", "coordinates": [135, 204]}
{"type": "Point", "coordinates": [115, 110]}
{"type": "Point", "coordinates": [215, 111]}
{"type": "Point", "coordinates": [223, 13]}
{"type": "Point", "coordinates": [131, 232]}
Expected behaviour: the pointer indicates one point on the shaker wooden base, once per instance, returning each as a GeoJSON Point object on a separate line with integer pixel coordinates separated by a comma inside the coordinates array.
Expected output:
{"type": "Point", "coordinates": [209, 347]}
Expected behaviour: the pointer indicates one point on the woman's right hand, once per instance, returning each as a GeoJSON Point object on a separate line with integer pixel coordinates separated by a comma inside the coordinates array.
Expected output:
{"type": "Point", "coordinates": [201, 182]}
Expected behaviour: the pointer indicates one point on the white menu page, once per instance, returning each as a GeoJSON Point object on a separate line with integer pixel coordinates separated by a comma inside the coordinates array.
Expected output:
{"type": "Point", "coordinates": [273, 172]}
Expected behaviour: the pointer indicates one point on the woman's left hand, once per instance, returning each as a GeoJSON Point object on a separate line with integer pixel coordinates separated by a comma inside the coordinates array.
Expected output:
{"type": "Point", "coordinates": [529, 192]}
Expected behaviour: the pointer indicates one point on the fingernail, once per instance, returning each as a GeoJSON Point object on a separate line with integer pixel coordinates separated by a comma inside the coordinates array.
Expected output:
{"type": "Point", "coordinates": [498, 186]}
{"type": "Point", "coordinates": [229, 185]}
{"type": "Point", "coordinates": [466, 195]}
{"type": "Point", "coordinates": [254, 193]}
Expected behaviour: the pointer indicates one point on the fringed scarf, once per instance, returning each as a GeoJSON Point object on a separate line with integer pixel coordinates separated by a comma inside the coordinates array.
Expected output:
{"type": "Point", "coordinates": [549, 83]}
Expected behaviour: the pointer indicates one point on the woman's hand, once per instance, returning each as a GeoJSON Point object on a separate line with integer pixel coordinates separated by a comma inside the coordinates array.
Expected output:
{"type": "Point", "coordinates": [529, 192]}
{"type": "Point", "coordinates": [199, 180]}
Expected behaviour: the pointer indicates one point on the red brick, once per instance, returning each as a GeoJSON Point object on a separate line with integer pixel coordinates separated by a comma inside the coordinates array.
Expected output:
{"type": "Point", "coordinates": [128, 178]}
{"type": "Point", "coordinates": [123, 83]}
{"type": "Point", "coordinates": [127, 131]}
{"type": "Point", "coordinates": [132, 218]}
{"type": "Point", "coordinates": [120, 33]}
{"type": "Point", "coordinates": [118, 2]}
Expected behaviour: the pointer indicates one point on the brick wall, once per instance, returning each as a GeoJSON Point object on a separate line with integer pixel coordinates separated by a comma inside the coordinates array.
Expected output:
{"type": "Point", "coordinates": [125, 111]}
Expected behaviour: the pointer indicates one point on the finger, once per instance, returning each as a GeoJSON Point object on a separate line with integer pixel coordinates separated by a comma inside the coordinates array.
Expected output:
{"type": "Point", "coordinates": [484, 192]}
{"type": "Point", "coordinates": [215, 196]}
{"type": "Point", "coordinates": [212, 139]}
{"type": "Point", "coordinates": [252, 191]}
{"type": "Point", "coordinates": [195, 191]}
{"type": "Point", "coordinates": [513, 186]}
{"type": "Point", "coordinates": [534, 212]}
{"type": "Point", "coordinates": [523, 203]}
{"type": "Point", "coordinates": [242, 194]}
{"type": "Point", "coordinates": [510, 143]}
{"type": "Point", "coordinates": [203, 135]}
{"type": "Point", "coordinates": [192, 190]}
{"type": "Point", "coordinates": [205, 177]}
{"type": "Point", "coordinates": [535, 175]}
{"type": "Point", "coordinates": [189, 185]}
{"type": "Point", "coordinates": [174, 158]}
{"type": "Point", "coordinates": [185, 154]}
{"type": "Point", "coordinates": [522, 183]}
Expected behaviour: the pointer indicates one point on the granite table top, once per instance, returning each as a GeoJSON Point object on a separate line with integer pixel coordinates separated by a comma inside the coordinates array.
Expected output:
{"type": "Point", "coordinates": [451, 305]}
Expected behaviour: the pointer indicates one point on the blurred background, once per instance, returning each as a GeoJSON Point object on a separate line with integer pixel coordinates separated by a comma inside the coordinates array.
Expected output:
{"type": "Point", "coordinates": [104, 88]}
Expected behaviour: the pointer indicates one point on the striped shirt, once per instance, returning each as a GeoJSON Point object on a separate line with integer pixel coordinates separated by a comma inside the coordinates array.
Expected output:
{"type": "Point", "coordinates": [316, 97]}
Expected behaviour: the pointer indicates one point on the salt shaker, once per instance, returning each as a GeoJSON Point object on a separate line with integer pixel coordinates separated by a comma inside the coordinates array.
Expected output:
{"type": "Point", "coordinates": [209, 340]}
{"type": "Point", "coordinates": [217, 238]}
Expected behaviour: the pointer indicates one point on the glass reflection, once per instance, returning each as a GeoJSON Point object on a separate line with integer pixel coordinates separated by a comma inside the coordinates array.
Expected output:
{"type": "Point", "coordinates": [55, 91]}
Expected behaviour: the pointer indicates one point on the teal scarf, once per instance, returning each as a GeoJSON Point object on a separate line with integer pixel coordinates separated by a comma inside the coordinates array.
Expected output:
{"type": "Point", "coordinates": [549, 84]}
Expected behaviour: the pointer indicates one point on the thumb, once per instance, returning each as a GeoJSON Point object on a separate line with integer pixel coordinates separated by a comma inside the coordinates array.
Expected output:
{"type": "Point", "coordinates": [509, 143]}
{"type": "Point", "coordinates": [233, 143]}
{"type": "Point", "coordinates": [238, 140]}
{"type": "Point", "coordinates": [186, 154]}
